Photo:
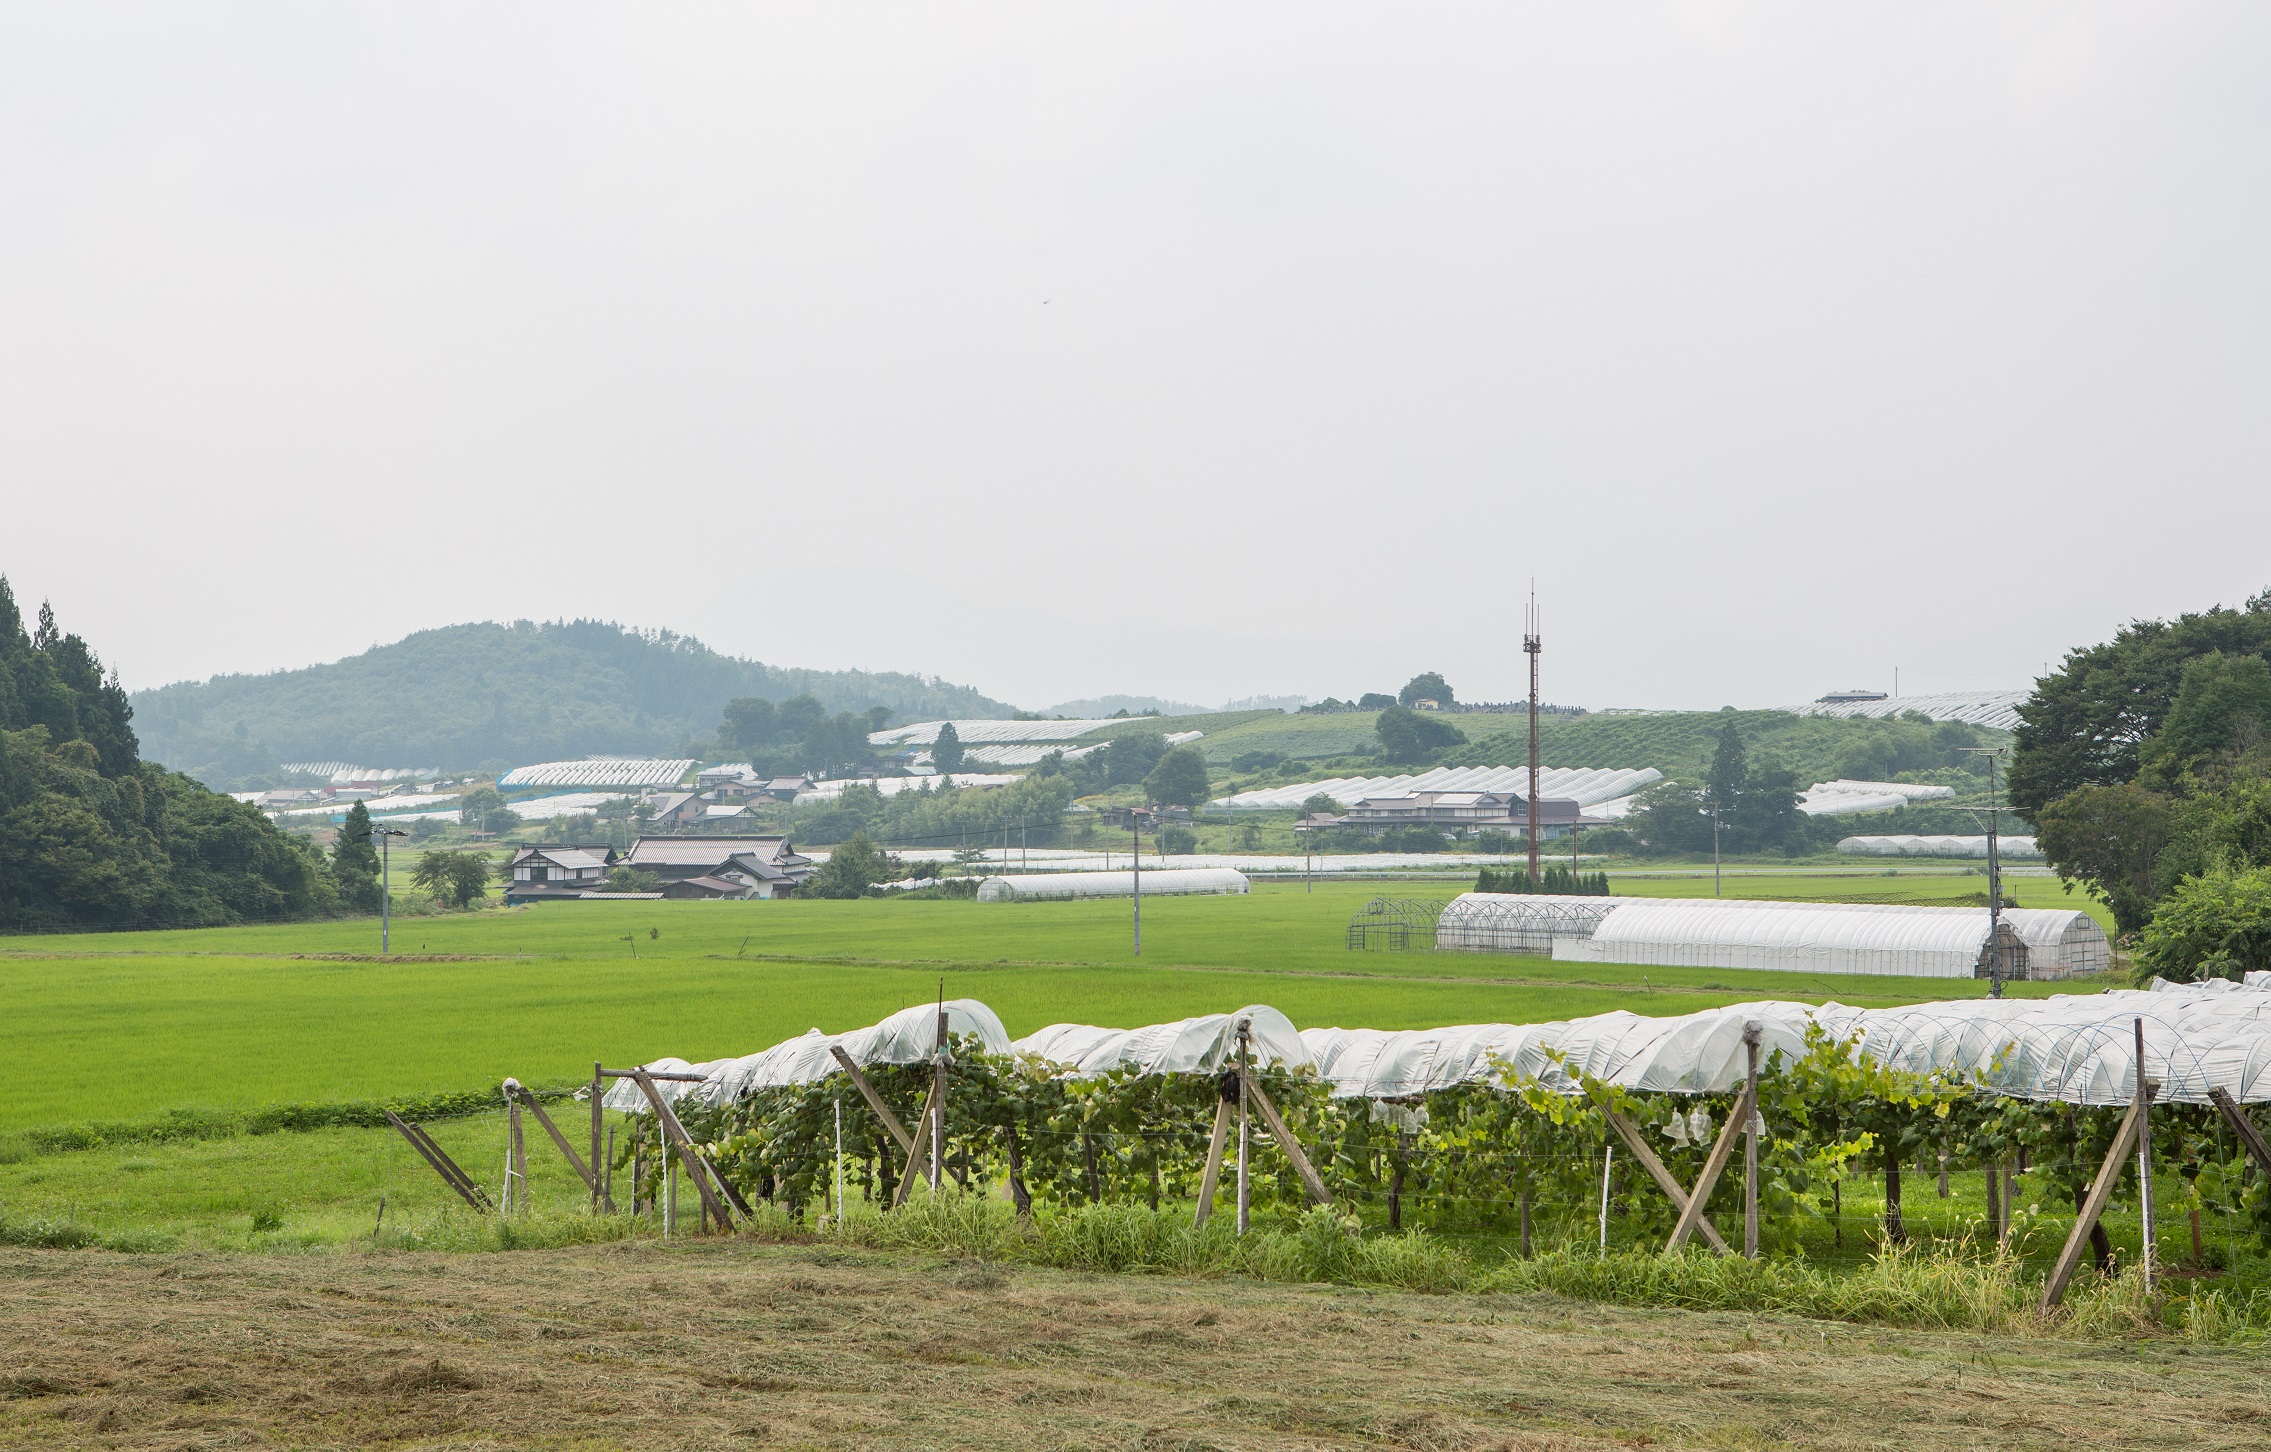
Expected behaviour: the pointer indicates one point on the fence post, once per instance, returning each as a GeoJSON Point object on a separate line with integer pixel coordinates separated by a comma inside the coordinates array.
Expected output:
{"type": "Point", "coordinates": [1245, 1188]}
{"type": "Point", "coordinates": [1751, 1031]}
{"type": "Point", "coordinates": [2145, 1160]}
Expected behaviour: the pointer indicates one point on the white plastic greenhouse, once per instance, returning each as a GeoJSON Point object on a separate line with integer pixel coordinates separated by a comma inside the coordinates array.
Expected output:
{"type": "Point", "coordinates": [1807, 937]}
{"type": "Point", "coordinates": [1047, 886]}
{"type": "Point", "coordinates": [1587, 786]}
{"type": "Point", "coordinates": [1868, 938]}
{"type": "Point", "coordinates": [1930, 846]}
{"type": "Point", "coordinates": [2074, 1048]}
{"type": "Point", "coordinates": [1837, 798]}
{"type": "Point", "coordinates": [598, 771]}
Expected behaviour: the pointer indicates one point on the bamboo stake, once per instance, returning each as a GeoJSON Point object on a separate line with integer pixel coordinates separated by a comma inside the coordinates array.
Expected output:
{"type": "Point", "coordinates": [1213, 1171]}
{"type": "Point", "coordinates": [2093, 1205]}
{"type": "Point", "coordinates": [598, 1114]}
{"type": "Point", "coordinates": [1751, 1033]}
{"type": "Point", "coordinates": [1245, 1183]}
{"type": "Point", "coordinates": [1285, 1140]}
{"type": "Point", "coordinates": [2145, 1162]}
{"type": "Point", "coordinates": [516, 1155]}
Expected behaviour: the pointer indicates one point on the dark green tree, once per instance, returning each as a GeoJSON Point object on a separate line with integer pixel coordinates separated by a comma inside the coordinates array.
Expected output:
{"type": "Point", "coordinates": [355, 862]}
{"type": "Point", "coordinates": [851, 869]}
{"type": "Point", "coordinates": [2086, 722]}
{"type": "Point", "coordinates": [1317, 804]}
{"type": "Point", "coordinates": [1730, 773]}
{"type": "Point", "coordinates": [486, 810]}
{"type": "Point", "coordinates": [2109, 838]}
{"type": "Point", "coordinates": [946, 752]}
{"type": "Point", "coordinates": [457, 878]}
{"type": "Point", "coordinates": [1179, 780]}
{"type": "Point", "coordinates": [1426, 686]}
{"type": "Point", "coordinates": [2222, 711]}
{"type": "Point", "coordinates": [2217, 925]}
{"type": "Point", "coordinates": [1375, 701]}
{"type": "Point", "coordinates": [749, 724]}
{"type": "Point", "coordinates": [1412, 737]}
{"type": "Point", "coordinates": [1130, 758]}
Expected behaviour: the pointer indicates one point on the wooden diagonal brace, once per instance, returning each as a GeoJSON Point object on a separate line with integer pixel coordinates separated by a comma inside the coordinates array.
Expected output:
{"type": "Point", "coordinates": [1213, 1173]}
{"type": "Point", "coordinates": [575, 1161]}
{"type": "Point", "coordinates": [1638, 1144]}
{"type": "Point", "coordinates": [918, 1148]}
{"type": "Point", "coordinates": [442, 1164]}
{"type": "Point", "coordinates": [1285, 1139]}
{"type": "Point", "coordinates": [1721, 1151]}
{"type": "Point", "coordinates": [674, 1134]}
{"type": "Point", "coordinates": [2101, 1191]}
{"type": "Point", "coordinates": [2244, 1127]}
{"type": "Point", "coordinates": [875, 1102]}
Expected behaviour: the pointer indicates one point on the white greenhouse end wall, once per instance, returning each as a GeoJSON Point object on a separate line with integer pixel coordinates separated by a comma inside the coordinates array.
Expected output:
{"type": "Point", "coordinates": [1058, 886]}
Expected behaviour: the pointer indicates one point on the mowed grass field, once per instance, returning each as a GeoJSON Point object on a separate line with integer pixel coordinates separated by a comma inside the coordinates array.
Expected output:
{"type": "Point", "coordinates": [125, 1026]}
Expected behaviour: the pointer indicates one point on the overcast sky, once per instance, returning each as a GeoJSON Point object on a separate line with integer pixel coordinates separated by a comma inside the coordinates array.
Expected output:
{"type": "Point", "coordinates": [1193, 350]}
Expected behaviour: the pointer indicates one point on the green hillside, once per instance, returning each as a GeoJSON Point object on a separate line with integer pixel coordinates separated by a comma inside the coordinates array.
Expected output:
{"type": "Point", "coordinates": [1680, 743]}
{"type": "Point", "coordinates": [486, 696]}
{"type": "Point", "coordinates": [1300, 738]}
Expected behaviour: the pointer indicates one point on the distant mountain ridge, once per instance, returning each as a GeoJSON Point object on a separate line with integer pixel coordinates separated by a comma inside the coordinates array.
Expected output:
{"type": "Point", "coordinates": [488, 695]}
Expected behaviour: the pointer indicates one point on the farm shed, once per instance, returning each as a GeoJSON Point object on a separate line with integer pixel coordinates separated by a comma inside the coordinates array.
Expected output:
{"type": "Point", "coordinates": [1059, 886]}
{"type": "Point", "coordinates": [1864, 938]}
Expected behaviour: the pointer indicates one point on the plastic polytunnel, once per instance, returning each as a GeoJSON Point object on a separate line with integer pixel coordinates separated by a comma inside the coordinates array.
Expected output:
{"type": "Point", "coordinates": [1204, 1045]}
{"type": "Point", "coordinates": [1164, 882]}
{"type": "Point", "coordinates": [906, 1037]}
{"type": "Point", "coordinates": [2078, 1048]}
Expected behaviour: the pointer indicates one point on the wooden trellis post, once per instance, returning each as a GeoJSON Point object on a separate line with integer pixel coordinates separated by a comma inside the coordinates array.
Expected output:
{"type": "Point", "coordinates": [2249, 1135]}
{"type": "Point", "coordinates": [519, 1095]}
{"type": "Point", "coordinates": [2101, 1191]}
{"type": "Point", "coordinates": [1225, 1094]}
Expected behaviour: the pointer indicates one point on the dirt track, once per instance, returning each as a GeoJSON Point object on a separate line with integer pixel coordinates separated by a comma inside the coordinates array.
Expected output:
{"type": "Point", "coordinates": [736, 1346]}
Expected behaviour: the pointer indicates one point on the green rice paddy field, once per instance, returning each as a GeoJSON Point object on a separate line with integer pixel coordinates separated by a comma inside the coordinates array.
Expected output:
{"type": "Point", "coordinates": [120, 1030]}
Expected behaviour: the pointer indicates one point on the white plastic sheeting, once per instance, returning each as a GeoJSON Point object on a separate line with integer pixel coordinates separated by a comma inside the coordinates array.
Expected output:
{"type": "Point", "coordinates": [2074, 1048]}
{"type": "Point", "coordinates": [598, 771]}
{"type": "Point", "coordinates": [1837, 798]}
{"type": "Point", "coordinates": [1046, 886]}
{"type": "Point", "coordinates": [1932, 846]}
{"type": "Point", "coordinates": [1802, 937]}
{"type": "Point", "coordinates": [1587, 786]}
{"type": "Point", "coordinates": [906, 1037]}
{"type": "Point", "coordinates": [891, 786]}
{"type": "Point", "coordinates": [1203, 1045]}
{"type": "Point", "coordinates": [1509, 922]}
{"type": "Point", "coordinates": [972, 733]}
{"type": "Point", "coordinates": [1998, 710]}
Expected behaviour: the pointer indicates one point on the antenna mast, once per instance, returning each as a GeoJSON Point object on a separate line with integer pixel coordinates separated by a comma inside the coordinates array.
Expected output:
{"type": "Point", "coordinates": [1531, 645]}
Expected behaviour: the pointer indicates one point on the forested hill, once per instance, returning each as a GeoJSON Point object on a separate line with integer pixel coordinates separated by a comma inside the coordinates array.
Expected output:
{"type": "Point", "coordinates": [486, 696]}
{"type": "Point", "coordinates": [93, 836]}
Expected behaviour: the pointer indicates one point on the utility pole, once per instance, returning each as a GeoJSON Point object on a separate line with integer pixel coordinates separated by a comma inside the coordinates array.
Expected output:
{"type": "Point", "coordinates": [386, 885]}
{"type": "Point", "coordinates": [1135, 838]}
{"type": "Point", "coordinates": [1714, 851]}
{"type": "Point", "coordinates": [1994, 878]}
{"type": "Point", "coordinates": [1531, 645]}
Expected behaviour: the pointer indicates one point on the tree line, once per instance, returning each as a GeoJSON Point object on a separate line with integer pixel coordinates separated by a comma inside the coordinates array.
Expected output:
{"type": "Point", "coordinates": [2144, 765]}
{"type": "Point", "coordinates": [93, 835]}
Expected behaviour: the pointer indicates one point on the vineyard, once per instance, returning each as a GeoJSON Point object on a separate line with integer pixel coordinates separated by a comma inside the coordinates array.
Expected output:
{"type": "Point", "coordinates": [1563, 1171]}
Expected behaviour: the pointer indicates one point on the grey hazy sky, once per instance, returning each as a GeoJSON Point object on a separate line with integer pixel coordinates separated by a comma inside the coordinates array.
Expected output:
{"type": "Point", "coordinates": [1197, 350]}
